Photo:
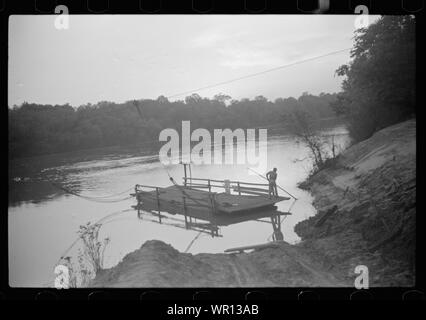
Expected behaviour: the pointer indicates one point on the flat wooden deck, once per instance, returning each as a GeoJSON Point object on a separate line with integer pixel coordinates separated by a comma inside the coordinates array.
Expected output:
{"type": "Point", "coordinates": [199, 199]}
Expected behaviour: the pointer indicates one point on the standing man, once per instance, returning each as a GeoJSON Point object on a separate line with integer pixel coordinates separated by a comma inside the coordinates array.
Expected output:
{"type": "Point", "coordinates": [272, 178]}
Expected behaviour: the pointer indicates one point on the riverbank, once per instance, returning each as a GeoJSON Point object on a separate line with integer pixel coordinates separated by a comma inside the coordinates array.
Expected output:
{"type": "Point", "coordinates": [367, 209]}
{"type": "Point", "coordinates": [366, 206]}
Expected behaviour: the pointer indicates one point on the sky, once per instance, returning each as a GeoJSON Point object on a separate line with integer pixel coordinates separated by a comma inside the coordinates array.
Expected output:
{"type": "Point", "coordinates": [120, 58]}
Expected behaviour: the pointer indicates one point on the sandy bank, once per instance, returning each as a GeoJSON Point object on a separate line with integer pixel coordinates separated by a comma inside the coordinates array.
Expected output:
{"type": "Point", "coordinates": [366, 215]}
{"type": "Point", "coordinates": [373, 186]}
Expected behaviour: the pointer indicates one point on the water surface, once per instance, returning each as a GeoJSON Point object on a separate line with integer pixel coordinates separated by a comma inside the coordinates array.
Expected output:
{"type": "Point", "coordinates": [44, 220]}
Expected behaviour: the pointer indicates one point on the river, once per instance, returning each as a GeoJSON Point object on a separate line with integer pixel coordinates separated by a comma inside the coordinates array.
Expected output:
{"type": "Point", "coordinates": [43, 220]}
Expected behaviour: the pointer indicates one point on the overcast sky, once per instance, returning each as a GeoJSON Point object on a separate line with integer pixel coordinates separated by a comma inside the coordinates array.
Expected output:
{"type": "Point", "coordinates": [119, 58]}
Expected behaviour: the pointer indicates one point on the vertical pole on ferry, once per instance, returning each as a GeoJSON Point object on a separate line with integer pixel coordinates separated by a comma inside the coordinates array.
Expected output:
{"type": "Point", "coordinates": [184, 171]}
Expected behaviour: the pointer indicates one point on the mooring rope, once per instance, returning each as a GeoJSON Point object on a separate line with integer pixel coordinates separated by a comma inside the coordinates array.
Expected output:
{"type": "Point", "coordinates": [291, 206]}
{"type": "Point", "coordinates": [111, 195]}
{"type": "Point", "coordinates": [101, 222]}
{"type": "Point", "coordinates": [183, 191]}
{"type": "Point", "coordinates": [192, 241]}
{"type": "Point", "coordinates": [93, 199]}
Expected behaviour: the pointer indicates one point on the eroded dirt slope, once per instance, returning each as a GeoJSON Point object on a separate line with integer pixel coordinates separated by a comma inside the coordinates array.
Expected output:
{"type": "Point", "coordinates": [366, 209]}
{"type": "Point", "coordinates": [157, 264]}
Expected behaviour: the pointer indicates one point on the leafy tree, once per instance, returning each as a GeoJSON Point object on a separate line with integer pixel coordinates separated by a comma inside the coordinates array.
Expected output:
{"type": "Point", "coordinates": [379, 84]}
{"type": "Point", "coordinates": [222, 98]}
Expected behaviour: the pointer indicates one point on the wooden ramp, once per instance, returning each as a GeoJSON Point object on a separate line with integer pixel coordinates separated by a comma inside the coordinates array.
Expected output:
{"type": "Point", "coordinates": [274, 244]}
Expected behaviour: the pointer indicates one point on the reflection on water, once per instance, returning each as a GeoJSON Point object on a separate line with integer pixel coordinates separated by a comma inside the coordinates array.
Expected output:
{"type": "Point", "coordinates": [43, 220]}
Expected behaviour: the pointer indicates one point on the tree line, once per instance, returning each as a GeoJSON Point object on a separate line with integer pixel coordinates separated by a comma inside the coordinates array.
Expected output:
{"type": "Point", "coordinates": [36, 129]}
